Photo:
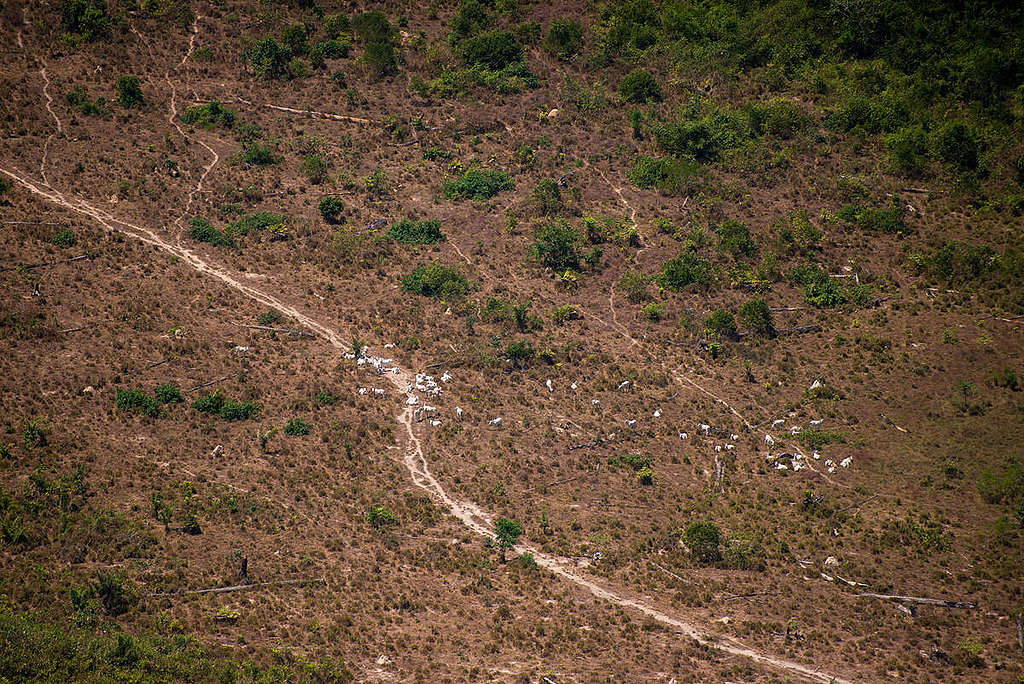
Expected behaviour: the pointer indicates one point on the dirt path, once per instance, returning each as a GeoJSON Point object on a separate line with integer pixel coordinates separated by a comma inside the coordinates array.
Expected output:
{"type": "Point", "coordinates": [414, 457]}
{"type": "Point", "coordinates": [60, 127]}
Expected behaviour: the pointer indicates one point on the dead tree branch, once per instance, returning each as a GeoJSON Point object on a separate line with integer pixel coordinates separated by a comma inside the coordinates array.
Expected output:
{"type": "Point", "coordinates": [29, 267]}
{"type": "Point", "coordinates": [214, 382]}
{"type": "Point", "coordinates": [242, 587]}
{"type": "Point", "coordinates": [283, 331]}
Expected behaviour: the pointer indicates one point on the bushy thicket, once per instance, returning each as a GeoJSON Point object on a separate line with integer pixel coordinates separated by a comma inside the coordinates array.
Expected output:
{"type": "Point", "coordinates": [478, 185]}
{"type": "Point", "coordinates": [412, 232]}
{"type": "Point", "coordinates": [436, 280]}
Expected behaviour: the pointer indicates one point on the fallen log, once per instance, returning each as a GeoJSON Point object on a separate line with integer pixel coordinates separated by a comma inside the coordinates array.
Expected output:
{"type": "Point", "coordinates": [213, 382]}
{"type": "Point", "coordinates": [918, 599]}
{"type": "Point", "coordinates": [29, 267]}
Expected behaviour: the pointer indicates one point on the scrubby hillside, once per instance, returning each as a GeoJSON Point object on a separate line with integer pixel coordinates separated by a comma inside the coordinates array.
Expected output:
{"type": "Point", "coordinates": [512, 342]}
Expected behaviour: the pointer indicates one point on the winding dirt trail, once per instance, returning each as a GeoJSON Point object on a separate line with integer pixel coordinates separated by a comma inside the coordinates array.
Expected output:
{"type": "Point", "coordinates": [414, 456]}
{"type": "Point", "coordinates": [60, 126]}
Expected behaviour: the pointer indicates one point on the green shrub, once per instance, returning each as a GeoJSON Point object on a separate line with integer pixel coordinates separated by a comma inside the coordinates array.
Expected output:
{"type": "Point", "coordinates": [268, 58]}
{"type": "Point", "coordinates": [168, 394]}
{"type": "Point", "coordinates": [704, 541]}
{"type": "Point", "coordinates": [314, 168]}
{"type": "Point", "coordinates": [78, 97]}
{"type": "Point", "coordinates": [381, 59]}
{"type": "Point", "coordinates": [685, 269]}
{"type": "Point", "coordinates": [734, 238]}
{"type": "Point", "coordinates": [204, 231]}
{"type": "Point", "coordinates": [238, 410]}
{"type": "Point", "coordinates": [296, 68]}
{"type": "Point", "coordinates": [494, 50]}
{"type": "Point", "coordinates": [557, 246]}
{"type": "Point", "coordinates": [129, 92]}
{"type": "Point", "coordinates": [87, 19]}
{"type": "Point", "coordinates": [671, 176]}
{"type": "Point", "coordinates": [780, 118]}
{"type": "Point", "coordinates": [261, 220]}
{"type": "Point", "coordinates": [640, 86]}
{"type": "Point", "coordinates": [294, 39]}
{"type": "Point", "coordinates": [271, 317]}
{"type": "Point", "coordinates": [721, 323]}
{"type": "Point", "coordinates": [1008, 379]}
{"type": "Point", "coordinates": [519, 352]}
{"type": "Point", "coordinates": [412, 232]}
{"type": "Point", "coordinates": [190, 525]}
{"type": "Point", "coordinates": [210, 403]}
{"type": "Point", "coordinates": [756, 316]}
{"type": "Point", "coordinates": [478, 185]}
{"type": "Point", "coordinates": [378, 516]}
{"type": "Point", "coordinates": [907, 150]}
{"type": "Point", "coordinates": [876, 220]}
{"type": "Point", "coordinates": [337, 25]}
{"type": "Point", "coordinates": [548, 196]}
{"type": "Point", "coordinates": [528, 32]}
{"type": "Point", "coordinates": [259, 155]}
{"type": "Point", "coordinates": [435, 153]}
{"type": "Point", "coordinates": [297, 427]}
{"type": "Point", "coordinates": [209, 115]}
{"type": "Point", "coordinates": [861, 115]}
{"type": "Point", "coordinates": [374, 27]}
{"type": "Point", "coordinates": [635, 284]}
{"type": "Point", "coordinates": [564, 313]}
{"type": "Point", "coordinates": [957, 145]}
{"type": "Point", "coordinates": [137, 401]}
{"type": "Point", "coordinates": [116, 592]}
{"type": "Point", "coordinates": [65, 238]}
{"type": "Point", "coordinates": [564, 39]}
{"type": "Point", "coordinates": [330, 208]}
{"type": "Point", "coordinates": [436, 280]}
{"type": "Point", "coordinates": [653, 311]}
{"type": "Point", "coordinates": [797, 235]}
{"type": "Point", "coordinates": [703, 139]}
{"type": "Point", "coordinates": [820, 290]}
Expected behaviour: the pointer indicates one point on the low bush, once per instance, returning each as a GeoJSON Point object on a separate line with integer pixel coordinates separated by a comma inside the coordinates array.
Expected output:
{"type": "Point", "coordinates": [65, 238]}
{"type": "Point", "coordinates": [781, 118]}
{"type": "Point", "coordinates": [85, 19]}
{"type": "Point", "coordinates": [478, 185]}
{"type": "Point", "coordinates": [957, 145]}
{"type": "Point", "coordinates": [137, 401]}
{"type": "Point", "coordinates": [168, 394]}
{"type": "Point", "coordinates": [258, 154]}
{"type": "Point", "coordinates": [268, 58]}
{"type": "Point", "coordinates": [210, 115]}
{"type": "Point", "coordinates": [734, 238]}
{"type": "Point", "coordinates": [558, 246]}
{"type": "Point", "coordinates": [636, 285]}
{"type": "Point", "coordinates": [704, 541]}
{"type": "Point", "coordinates": [813, 439]}
{"type": "Point", "coordinates": [564, 39]}
{"type": "Point", "coordinates": [216, 404]}
{"type": "Point", "coordinates": [757, 317]}
{"type": "Point", "coordinates": [204, 231]}
{"type": "Point", "coordinates": [261, 220]}
{"type": "Point", "coordinates": [704, 138]}
{"type": "Point", "coordinates": [907, 150]}
{"type": "Point", "coordinates": [494, 50]}
{"type": "Point", "coordinates": [875, 220]}
{"type": "Point", "coordinates": [297, 427]}
{"type": "Point", "coordinates": [129, 92]}
{"type": "Point", "coordinates": [686, 269]}
{"type": "Point", "coordinates": [436, 280]}
{"type": "Point", "coordinates": [671, 176]}
{"type": "Point", "coordinates": [330, 208]}
{"type": "Point", "coordinates": [378, 516]}
{"type": "Point", "coordinates": [721, 323]}
{"type": "Point", "coordinates": [639, 86]}
{"type": "Point", "coordinates": [79, 98]}
{"type": "Point", "coordinates": [412, 232]}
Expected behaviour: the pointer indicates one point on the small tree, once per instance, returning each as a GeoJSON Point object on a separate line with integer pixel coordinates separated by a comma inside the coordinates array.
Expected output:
{"type": "Point", "coordinates": [506, 534]}
{"type": "Point", "coordinates": [129, 92]}
{"type": "Point", "coordinates": [703, 539]}
{"type": "Point", "coordinates": [756, 315]}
